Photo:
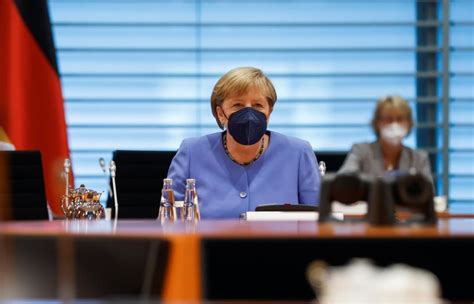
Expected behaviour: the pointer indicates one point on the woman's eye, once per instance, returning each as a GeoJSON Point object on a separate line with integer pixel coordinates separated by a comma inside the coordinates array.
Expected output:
{"type": "Point", "coordinates": [259, 105]}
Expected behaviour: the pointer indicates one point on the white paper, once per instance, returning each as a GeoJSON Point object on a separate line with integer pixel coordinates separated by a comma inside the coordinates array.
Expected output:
{"type": "Point", "coordinates": [285, 216]}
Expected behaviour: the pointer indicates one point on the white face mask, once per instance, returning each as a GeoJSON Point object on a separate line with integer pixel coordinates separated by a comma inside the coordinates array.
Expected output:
{"type": "Point", "coordinates": [393, 133]}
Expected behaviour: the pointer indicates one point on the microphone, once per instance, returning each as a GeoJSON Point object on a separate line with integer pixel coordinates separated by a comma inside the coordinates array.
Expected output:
{"type": "Point", "coordinates": [104, 169]}
{"type": "Point", "coordinates": [322, 168]}
{"type": "Point", "coordinates": [102, 164]}
{"type": "Point", "coordinates": [113, 169]}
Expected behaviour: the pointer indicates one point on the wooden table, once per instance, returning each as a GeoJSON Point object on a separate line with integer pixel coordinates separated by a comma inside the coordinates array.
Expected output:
{"type": "Point", "coordinates": [192, 243]}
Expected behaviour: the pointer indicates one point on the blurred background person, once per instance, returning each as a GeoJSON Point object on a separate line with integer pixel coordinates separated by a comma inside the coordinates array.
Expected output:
{"type": "Point", "coordinates": [392, 122]}
{"type": "Point", "coordinates": [245, 165]}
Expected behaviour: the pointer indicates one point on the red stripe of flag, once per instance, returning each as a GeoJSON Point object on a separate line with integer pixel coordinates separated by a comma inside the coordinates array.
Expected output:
{"type": "Point", "coordinates": [31, 102]}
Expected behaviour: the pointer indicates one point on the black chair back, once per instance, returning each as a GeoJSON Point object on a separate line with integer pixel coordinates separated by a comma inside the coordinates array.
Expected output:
{"type": "Point", "coordinates": [139, 181]}
{"type": "Point", "coordinates": [22, 190]}
{"type": "Point", "coordinates": [333, 160]}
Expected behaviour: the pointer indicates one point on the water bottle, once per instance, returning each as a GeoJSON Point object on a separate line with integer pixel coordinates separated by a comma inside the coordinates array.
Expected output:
{"type": "Point", "coordinates": [166, 211]}
{"type": "Point", "coordinates": [191, 206]}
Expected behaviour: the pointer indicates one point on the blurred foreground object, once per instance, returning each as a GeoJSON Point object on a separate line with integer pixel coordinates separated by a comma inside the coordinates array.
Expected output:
{"type": "Point", "coordinates": [362, 282]}
{"type": "Point", "coordinates": [78, 268]}
{"type": "Point", "coordinates": [345, 188]}
{"type": "Point", "coordinates": [411, 192]}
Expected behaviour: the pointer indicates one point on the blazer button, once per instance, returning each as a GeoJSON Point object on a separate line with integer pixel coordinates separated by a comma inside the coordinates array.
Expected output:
{"type": "Point", "coordinates": [243, 194]}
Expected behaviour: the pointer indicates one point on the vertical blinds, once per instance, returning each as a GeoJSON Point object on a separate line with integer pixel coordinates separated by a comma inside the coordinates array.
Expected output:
{"type": "Point", "coordinates": [139, 74]}
{"type": "Point", "coordinates": [461, 105]}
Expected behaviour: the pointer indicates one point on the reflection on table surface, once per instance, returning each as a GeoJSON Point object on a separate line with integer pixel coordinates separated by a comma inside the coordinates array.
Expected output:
{"type": "Point", "coordinates": [446, 227]}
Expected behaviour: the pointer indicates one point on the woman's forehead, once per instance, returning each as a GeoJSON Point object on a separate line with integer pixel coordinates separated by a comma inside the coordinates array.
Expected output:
{"type": "Point", "coordinates": [392, 110]}
{"type": "Point", "coordinates": [253, 92]}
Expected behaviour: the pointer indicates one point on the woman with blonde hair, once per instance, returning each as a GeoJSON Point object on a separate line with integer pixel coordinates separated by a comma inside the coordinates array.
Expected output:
{"type": "Point", "coordinates": [245, 165]}
{"type": "Point", "coordinates": [392, 122]}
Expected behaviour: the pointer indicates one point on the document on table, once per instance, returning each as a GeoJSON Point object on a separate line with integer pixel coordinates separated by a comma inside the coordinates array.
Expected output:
{"type": "Point", "coordinates": [285, 216]}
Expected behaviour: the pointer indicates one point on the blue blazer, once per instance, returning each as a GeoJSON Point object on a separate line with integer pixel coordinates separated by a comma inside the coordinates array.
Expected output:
{"type": "Point", "coordinates": [285, 173]}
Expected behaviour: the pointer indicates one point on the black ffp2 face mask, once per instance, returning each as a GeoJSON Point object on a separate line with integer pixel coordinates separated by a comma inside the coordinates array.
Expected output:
{"type": "Point", "coordinates": [247, 126]}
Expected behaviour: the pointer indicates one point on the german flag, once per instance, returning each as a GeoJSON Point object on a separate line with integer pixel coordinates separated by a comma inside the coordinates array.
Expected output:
{"type": "Point", "coordinates": [31, 102]}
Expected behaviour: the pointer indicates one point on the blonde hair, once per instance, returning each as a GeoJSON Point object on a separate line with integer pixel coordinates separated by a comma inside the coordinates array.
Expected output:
{"type": "Point", "coordinates": [396, 102]}
{"type": "Point", "coordinates": [239, 81]}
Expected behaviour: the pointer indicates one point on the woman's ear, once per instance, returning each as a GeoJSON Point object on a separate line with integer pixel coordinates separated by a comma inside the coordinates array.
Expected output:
{"type": "Point", "coordinates": [378, 126]}
{"type": "Point", "coordinates": [221, 116]}
{"type": "Point", "coordinates": [269, 113]}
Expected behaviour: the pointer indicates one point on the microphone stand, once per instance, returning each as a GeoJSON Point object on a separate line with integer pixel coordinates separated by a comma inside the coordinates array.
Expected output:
{"type": "Point", "coordinates": [67, 169]}
{"type": "Point", "coordinates": [104, 169]}
{"type": "Point", "coordinates": [113, 169]}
